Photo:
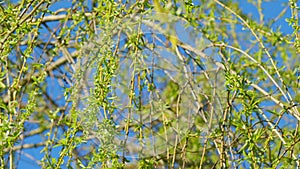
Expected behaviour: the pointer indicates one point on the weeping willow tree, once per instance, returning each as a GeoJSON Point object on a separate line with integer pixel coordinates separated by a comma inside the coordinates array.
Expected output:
{"type": "Point", "coordinates": [161, 84]}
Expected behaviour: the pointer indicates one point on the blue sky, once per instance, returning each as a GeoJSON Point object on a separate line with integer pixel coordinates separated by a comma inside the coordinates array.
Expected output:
{"type": "Point", "coordinates": [271, 9]}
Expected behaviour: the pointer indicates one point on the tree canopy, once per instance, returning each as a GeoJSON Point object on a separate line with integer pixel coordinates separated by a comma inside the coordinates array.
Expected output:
{"type": "Point", "coordinates": [149, 84]}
